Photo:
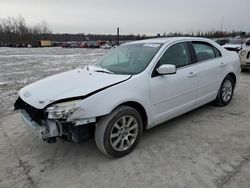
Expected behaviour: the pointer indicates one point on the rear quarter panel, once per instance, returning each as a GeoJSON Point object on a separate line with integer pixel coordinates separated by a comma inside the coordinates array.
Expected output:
{"type": "Point", "coordinates": [232, 61]}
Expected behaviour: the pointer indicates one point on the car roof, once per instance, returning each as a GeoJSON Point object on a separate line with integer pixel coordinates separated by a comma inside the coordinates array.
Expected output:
{"type": "Point", "coordinates": [169, 39]}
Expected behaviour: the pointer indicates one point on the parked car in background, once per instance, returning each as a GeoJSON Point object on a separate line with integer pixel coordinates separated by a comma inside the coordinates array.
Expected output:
{"type": "Point", "coordinates": [74, 45]}
{"type": "Point", "coordinates": [234, 44]}
{"type": "Point", "coordinates": [133, 88]}
{"type": "Point", "coordinates": [71, 45]}
{"type": "Point", "coordinates": [247, 43]}
{"type": "Point", "coordinates": [83, 45]}
{"type": "Point", "coordinates": [222, 41]}
{"type": "Point", "coordinates": [245, 56]}
{"type": "Point", "coordinates": [106, 46]}
{"type": "Point", "coordinates": [92, 44]}
{"type": "Point", "coordinates": [65, 45]}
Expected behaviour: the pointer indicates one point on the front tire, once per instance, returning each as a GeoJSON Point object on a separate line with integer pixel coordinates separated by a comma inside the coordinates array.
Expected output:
{"type": "Point", "coordinates": [226, 91]}
{"type": "Point", "coordinates": [118, 133]}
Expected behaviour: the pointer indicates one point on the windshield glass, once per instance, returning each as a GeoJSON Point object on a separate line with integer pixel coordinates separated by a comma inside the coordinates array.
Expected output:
{"type": "Point", "coordinates": [235, 41]}
{"type": "Point", "coordinates": [129, 59]}
{"type": "Point", "coordinates": [248, 42]}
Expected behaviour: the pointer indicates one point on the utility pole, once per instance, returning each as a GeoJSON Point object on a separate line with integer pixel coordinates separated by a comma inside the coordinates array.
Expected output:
{"type": "Point", "coordinates": [221, 26]}
{"type": "Point", "coordinates": [118, 36]}
{"type": "Point", "coordinates": [242, 35]}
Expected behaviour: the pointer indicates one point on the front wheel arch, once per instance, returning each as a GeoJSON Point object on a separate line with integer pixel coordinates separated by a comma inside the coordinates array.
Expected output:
{"type": "Point", "coordinates": [140, 109]}
{"type": "Point", "coordinates": [104, 128]}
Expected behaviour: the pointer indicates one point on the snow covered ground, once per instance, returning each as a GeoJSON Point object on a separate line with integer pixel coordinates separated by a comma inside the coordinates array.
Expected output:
{"type": "Point", "coordinates": [21, 66]}
{"type": "Point", "coordinates": [208, 147]}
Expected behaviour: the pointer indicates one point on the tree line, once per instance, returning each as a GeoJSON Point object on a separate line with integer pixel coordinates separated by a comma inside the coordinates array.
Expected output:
{"type": "Point", "coordinates": [14, 30]}
{"type": "Point", "coordinates": [94, 37]}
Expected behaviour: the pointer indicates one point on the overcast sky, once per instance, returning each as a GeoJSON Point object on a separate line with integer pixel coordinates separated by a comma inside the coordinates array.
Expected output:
{"type": "Point", "coordinates": [132, 16]}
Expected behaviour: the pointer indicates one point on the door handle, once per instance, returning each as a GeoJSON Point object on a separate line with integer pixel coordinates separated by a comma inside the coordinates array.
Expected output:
{"type": "Point", "coordinates": [222, 64]}
{"type": "Point", "coordinates": [191, 74]}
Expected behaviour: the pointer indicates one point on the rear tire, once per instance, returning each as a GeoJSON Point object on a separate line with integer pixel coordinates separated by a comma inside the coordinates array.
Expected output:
{"type": "Point", "coordinates": [118, 133]}
{"type": "Point", "coordinates": [226, 91]}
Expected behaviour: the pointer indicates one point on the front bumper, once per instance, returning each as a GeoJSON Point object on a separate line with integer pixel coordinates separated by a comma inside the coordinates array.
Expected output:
{"type": "Point", "coordinates": [49, 129]}
{"type": "Point", "coordinates": [44, 132]}
{"type": "Point", "coordinates": [245, 63]}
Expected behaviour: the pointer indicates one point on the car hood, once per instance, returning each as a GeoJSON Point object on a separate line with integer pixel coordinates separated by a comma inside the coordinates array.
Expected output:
{"type": "Point", "coordinates": [75, 83]}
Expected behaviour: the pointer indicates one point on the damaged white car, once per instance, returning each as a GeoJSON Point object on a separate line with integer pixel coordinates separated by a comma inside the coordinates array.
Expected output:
{"type": "Point", "coordinates": [133, 88]}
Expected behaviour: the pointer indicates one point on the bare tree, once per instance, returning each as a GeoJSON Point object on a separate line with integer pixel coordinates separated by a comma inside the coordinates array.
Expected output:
{"type": "Point", "coordinates": [15, 30]}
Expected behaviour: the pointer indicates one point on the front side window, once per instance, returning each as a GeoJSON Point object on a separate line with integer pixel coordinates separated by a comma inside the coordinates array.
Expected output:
{"type": "Point", "coordinates": [204, 51]}
{"type": "Point", "coordinates": [177, 54]}
{"type": "Point", "coordinates": [129, 59]}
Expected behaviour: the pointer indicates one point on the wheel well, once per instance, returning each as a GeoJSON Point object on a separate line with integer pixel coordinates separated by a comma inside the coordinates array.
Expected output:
{"type": "Point", "coordinates": [140, 109]}
{"type": "Point", "coordinates": [232, 75]}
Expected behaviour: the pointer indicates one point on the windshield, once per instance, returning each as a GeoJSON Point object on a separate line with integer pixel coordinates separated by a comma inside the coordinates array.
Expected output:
{"type": "Point", "coordinates": [235, 41]}
{"type": "Point", "coordinates": [248, 42]}
{"type": "Point", "coordinates": [129, 59]}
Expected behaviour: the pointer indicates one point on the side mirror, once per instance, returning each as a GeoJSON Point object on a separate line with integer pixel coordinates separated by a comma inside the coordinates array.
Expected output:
{"type": "Point", "coordinates": [166, 69]}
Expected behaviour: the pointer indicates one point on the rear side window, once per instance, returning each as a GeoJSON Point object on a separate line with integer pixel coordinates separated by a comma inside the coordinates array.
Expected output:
{"type": "Point", "coordinates": [217, 52]}
{"type": "Point", "coordinates": [205, 51]}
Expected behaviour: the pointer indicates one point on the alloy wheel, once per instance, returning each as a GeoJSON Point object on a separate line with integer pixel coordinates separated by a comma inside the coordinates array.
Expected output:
{"type": "Point", "coordinates": [124, 133]}
{"type": "Point", "coordinates": [227, 90]}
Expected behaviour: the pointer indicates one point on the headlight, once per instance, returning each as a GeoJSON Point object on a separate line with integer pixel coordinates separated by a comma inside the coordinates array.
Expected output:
{"type": "Point", "coordinates": [61, 110]}
{"type": "Point", "coordinates": [243, 53]}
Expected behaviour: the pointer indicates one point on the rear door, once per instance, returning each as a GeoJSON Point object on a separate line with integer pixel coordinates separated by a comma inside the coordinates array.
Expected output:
{"type": "Point", "coordinates": [210, 68]}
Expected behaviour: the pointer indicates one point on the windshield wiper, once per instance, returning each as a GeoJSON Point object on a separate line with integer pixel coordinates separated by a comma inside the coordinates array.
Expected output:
{"type": "Point", "coordinates": [99, 69]}
{"type": "Point", "coordinates": [104, 71]}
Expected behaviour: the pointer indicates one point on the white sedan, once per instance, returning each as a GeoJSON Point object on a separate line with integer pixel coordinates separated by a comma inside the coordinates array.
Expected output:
{"type": "Point", "coordinates": [133, 88]}
{"type": "Point", "coordinates": [245, 56]}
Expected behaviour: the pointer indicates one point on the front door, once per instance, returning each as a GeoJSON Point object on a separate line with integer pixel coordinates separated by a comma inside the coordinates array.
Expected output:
{"type": "Point", "coordinates": [174, 94]}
